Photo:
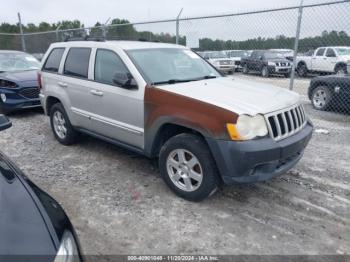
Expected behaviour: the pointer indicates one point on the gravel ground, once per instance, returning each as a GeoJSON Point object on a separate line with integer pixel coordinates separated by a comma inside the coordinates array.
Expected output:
{"type": "Point", "coordinates": [119, 204]}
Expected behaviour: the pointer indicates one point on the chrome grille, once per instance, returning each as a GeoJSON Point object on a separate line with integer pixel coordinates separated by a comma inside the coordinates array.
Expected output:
{"type": "Point", "coordinates": [286, 122]}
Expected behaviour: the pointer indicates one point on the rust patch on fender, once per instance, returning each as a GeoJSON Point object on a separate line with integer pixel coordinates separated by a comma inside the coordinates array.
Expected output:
{"type": "Point", "coordinates": [209, 119]}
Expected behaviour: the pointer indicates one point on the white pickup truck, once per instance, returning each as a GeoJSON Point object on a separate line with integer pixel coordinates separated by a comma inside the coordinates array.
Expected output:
{"type": "Point", "coordinates": [331, 59]}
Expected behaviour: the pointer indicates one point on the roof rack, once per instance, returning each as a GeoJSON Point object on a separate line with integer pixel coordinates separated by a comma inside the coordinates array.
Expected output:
{"type": "Point", "coordinates": [86, 38]}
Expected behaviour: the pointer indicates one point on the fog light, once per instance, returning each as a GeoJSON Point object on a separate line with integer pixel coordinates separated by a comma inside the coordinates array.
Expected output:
{"type": "Point", "coordinates": [337, 89]}
{"type": "Point", "coordinates": [3, 97]}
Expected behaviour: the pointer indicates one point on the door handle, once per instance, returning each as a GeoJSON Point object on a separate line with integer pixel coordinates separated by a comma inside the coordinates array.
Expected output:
{"type": "Point", "coordinates": [96, 92]}
{"type": "Point", "coordinates": [61, 84]}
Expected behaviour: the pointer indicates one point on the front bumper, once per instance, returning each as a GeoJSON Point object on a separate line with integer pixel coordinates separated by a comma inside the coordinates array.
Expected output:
{"type": "Point", "coordinates": [15, 101]}
{"type": "Point", "coordinates": [280, 69]}
{"type": "Point", "coordinates": [260, 159]}
{"type": "Point", "coordinates": [226, 68]}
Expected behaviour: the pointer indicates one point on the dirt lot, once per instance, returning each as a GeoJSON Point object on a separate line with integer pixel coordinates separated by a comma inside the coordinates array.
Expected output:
{"type": "Point", "coordinates": [119, 204]}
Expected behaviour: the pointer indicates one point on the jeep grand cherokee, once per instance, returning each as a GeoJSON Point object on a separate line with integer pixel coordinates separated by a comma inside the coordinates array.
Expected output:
{"type": "Point", "coordinates": [166, 102]}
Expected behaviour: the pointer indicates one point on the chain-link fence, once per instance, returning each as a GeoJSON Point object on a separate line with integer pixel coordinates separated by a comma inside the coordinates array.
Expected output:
{"type": "Point", "coordinates": [301, 48]}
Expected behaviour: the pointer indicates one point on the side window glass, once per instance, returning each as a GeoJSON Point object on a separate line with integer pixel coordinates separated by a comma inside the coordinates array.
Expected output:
{"type": "Point", "coordinates": [330, 53]}
{"type": "Point", "coordinates": [107, 64]}
{"type": "Point", "coordinates": [54, 59]}
{"type": "Point", "coordinates": [77, 62]}
{"type": "Point", "coordinates": [320, 52]}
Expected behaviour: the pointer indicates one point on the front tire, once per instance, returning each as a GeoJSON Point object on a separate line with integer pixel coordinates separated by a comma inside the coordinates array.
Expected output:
{"type": "Point", "coordinates": [187, 167]}
{"type": "Point", "coordinates": [245, 69]}
{"type": "Point", "coordinates": [321, 98]}
{"type": "Point", "coordinates": [265, 72]}
{"type": "Point", "coordinates": [61, 126]}
{"type": "Point", "coordinates": [340, 70]}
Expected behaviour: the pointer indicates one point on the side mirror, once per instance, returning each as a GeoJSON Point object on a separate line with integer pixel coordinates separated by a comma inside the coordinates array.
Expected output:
{"type": "Point", "coordinates": [4, 122]}
{"type": "Point", "coordinates": [124, 80]}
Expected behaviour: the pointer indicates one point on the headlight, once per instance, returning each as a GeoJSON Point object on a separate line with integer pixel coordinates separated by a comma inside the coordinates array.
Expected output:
{"type": "Point", "coordinates": [8, 84]}
{"type": "Point", "coordinates": [68, 251]}
{"type": "Point", "coordinates": [271, 63]}
{"type": "Point", "coordinates": [248, 127]}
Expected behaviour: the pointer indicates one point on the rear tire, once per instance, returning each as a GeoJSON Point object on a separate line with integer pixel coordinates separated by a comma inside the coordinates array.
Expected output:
{"type": "Point", "coordinates": [302, 70]}
{"type": "Point", "coordinates": [188, 168]}
{"type": "Point", "coordinates": [62, 129]}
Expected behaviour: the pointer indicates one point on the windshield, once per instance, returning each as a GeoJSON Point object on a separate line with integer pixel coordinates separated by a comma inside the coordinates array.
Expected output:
{"type": "Point", "coordinates": [220, 54]}
{"type": "Point", "coordinates": [272, 55]}
{"type": "Point", "coordinates": [10, 62]}
{"type": "Point", "coordinates": [171, 65]}
{"type": "Point", "coordinates": [238, 54]}
{"type": "Point", "coordinates": [343, 51]}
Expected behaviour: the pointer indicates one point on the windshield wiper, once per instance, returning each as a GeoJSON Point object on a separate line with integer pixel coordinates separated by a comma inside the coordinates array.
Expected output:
{"type": "Point", "coordinates": [172, 81]}
{"type": "Point", "coordinates": [208, 77]}
{"type": "Point", "coordinates": [175, 81]}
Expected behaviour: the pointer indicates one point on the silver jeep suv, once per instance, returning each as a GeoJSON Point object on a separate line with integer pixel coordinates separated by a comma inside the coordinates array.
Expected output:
{"type": "Point", "coordinates": [166, 102]}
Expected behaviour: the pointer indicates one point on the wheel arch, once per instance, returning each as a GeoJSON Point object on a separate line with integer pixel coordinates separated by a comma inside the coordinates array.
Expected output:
{"type": "Point", "coordinates": [340, 64]}
{"type": "Point", "coordinates": [164, 130]}
{"type": "Point", "coordinates": [50, 101]}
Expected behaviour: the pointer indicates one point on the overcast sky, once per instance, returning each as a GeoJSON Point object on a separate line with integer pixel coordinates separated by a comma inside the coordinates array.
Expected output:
{"type": "Point", "coordinates": [90, 11]}
{"type": "Point", "coordinates": [272, 24]}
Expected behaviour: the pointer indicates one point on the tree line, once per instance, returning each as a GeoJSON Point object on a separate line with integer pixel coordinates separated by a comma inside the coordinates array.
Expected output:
{"type": "Point", "coordinates": [121, 29]}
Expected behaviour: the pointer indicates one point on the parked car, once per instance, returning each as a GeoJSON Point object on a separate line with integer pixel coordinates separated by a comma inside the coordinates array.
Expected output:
{"type": "Point", "coordinates": [38, 56]}
{"type": "Point", "coordinates": [286, 53]}
{"type": "Point", "coordinates": [236, 56]}
{"type": "Point", "coordinates": [330, 92]}
{"type": "Point", "coordinates": [266, 63]}
{"type": "Point", "coordinates": [18, 81]}
{"type": "Point", "coordinates": [166, 102]}
{"type": "Point", "coordinates": [220, 61]}
{"type": "Point", "coordinates": [33, 226]}
{"type": "Point", "coordinates": [332, 59]}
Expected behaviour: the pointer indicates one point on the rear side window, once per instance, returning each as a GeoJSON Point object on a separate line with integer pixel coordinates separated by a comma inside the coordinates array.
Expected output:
{"type": "Point", "coordinates": [320, 52]}
{"type": "Point", "coordinates": [54, 59]}
{"type": "Point", "coordinates": [330, 53]}
{"type": "Point", "coordinates": [107, 63]}
{"type": "Point", "coordinates": [77, 62]}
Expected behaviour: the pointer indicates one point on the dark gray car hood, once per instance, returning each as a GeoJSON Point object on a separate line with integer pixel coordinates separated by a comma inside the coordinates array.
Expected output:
{"type": "Point", "coordinates": [22, 227]}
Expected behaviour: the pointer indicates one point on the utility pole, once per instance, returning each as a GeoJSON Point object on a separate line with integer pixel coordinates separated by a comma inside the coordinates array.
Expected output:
{"type": "Point", "coordinates": [104, 29]}
{"type": "Point", "coordinates": [296, 45]}
{"type": "Point", "coordinates": [21, 32]}
{"type": "Point", "coordinates": [178, 26]}
{"type": "Point", "coordinates": [57, 36]}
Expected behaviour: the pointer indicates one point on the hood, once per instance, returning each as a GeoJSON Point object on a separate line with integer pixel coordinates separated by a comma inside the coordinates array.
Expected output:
{"type": "Point", "coordinates": [22, 227]}
{"type": "Point", "coordinates": [220, 59]}
{"type": "Point", "coordinates": [345, 57]}
{"type": "Point", "coordinates": [236, 95]}
{"type": "Point", "coordinates": [23, 78]}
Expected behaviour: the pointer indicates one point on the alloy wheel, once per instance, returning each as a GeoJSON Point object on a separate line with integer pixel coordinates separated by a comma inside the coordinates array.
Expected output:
{"type": "Point", "coordinates": [59, 124]}
{"type": "Point", "coordinates": [184, 170]}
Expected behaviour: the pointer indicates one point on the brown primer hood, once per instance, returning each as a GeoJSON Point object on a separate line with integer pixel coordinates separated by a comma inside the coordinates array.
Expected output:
{"type": "Point", "coordinates": [208, 119]}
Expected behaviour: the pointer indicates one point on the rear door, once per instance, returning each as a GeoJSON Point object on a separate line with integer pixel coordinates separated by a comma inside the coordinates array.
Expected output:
{"type": "Point", "coordinates": [318, 60]}
{"type": "Point", "coordinates": [329, 61]}
{"type": "Point", "coordinates": [75, 82]}
{"type": "Point", "coordinates": [118, 112]}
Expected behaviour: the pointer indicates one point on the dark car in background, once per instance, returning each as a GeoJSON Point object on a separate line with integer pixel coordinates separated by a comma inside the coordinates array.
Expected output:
{"type": "Point", "coordinates": [330, 92]}
{"type": "Point", "coordinates": [266, 63]}
{"type": "Point", "coordinates": [33, 226]}
{"type": "Point", "coordinates": [18, 81]}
